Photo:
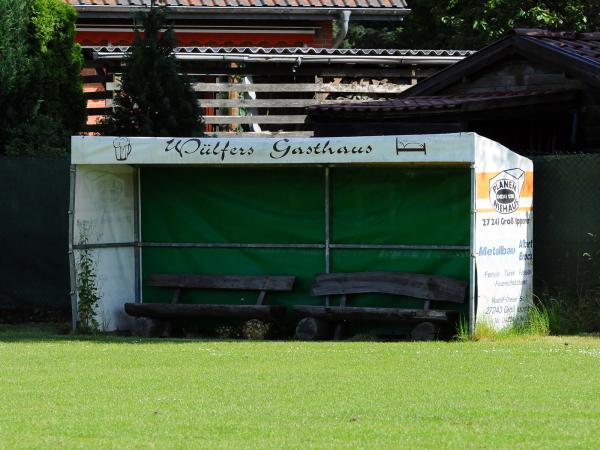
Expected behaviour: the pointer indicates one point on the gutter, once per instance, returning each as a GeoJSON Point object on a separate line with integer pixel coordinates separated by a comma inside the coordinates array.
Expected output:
{"type": "Point", "coordinates": [344, 19]}
{"type": "Point", "coordinates": [306, 59]}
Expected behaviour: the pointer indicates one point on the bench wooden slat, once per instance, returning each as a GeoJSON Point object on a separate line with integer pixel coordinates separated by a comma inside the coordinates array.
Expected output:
{"type": "Point", "coordinates": [421, 286]}
{"type": "Point", "coordinates": [231, 282]}
{"type": "Point", "coordinates": [365, 314]}
{"type": "Point", "coordinates": [165, 311]}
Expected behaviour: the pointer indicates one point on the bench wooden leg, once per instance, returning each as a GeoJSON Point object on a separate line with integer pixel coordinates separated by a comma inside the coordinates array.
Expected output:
{"type": "Point", "coordinates": [147, 328]}
{"type": "Point", "coordinates": [339, 328]}
{"type": "Point", "coordinates": [311, 329]}
{"type": "Point", "coordinates": [425, 331]}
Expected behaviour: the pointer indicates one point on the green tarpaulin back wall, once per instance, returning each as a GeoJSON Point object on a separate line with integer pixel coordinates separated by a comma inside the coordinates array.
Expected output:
{"type": "Point", "coordinates": [277, 205]}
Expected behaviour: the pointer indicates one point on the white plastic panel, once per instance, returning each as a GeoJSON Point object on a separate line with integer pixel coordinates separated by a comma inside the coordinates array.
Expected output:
{"type": "Point", "coordinates": [503, 243]}
{"type": "Point", "coordinates": [115, 277]}
{"type": "Point", "coordinates": [104, 214]}
{"type": "Point", "coordinates": [104, 204]}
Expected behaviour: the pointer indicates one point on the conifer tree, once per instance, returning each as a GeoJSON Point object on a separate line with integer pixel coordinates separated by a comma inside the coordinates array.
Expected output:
{"type": "Point", "coordinates": [155, 98]}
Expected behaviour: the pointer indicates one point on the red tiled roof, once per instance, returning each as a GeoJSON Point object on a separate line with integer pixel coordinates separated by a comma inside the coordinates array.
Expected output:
{"type": "Point", "coordinates": [247, 3]}
{"type": "Point", "coordinates": [431, 103]}
{"type": "Point", "coordinates": [583, 46]}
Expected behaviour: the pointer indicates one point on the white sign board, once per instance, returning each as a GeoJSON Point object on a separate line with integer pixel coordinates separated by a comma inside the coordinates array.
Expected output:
{"type": "Point", "coordinates": [449, 148]}
{"type": "Point", "coordinates": [503, 244]}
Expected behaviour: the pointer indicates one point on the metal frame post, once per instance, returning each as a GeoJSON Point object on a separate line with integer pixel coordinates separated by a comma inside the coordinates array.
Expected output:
{"type": "Point", "coordinates": [473, 267]}
{"type": "Point", "coordinates": [327, 222]}
{"type": "Point", "coordinates": [72, 267]}
{"type": "Point", "coordinates": [136, 235]}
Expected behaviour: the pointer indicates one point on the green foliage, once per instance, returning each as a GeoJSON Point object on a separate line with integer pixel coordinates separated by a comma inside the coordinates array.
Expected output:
{"type": "Point", "coordinates": [537, 324]}
{"type": "Point", "coordinates": [155, 99]}
{"type": "Point", "coordinates": [15, 64]}
{"type": "Point", "coordinates": [14, 60]}
{"type": "Point", "coordinates": [472, 24]}
{"type": "Point", "coordinates": [87, 289]}
{"type": "Point", "coordinates": [41, 97]}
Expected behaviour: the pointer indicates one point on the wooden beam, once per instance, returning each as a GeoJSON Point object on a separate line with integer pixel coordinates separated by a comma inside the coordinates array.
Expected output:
{"type": "Point", "coordinates": [299, 87]}
{"type": "Point", "coordinates": [166, 311]}
{"type": "Point", "coordinates": [97, 111]}
{"type": "Point", "coordinates": [98, 95]}
{"type": "Point", "coordinates": [368, 314]}
{"type": "Point", "coordinates": [263, 134]}
{"type": "Point", "coordinates": [270, 103]}
{"type": "Point", "coordinates": [423, 286]}
{"type": "Point", "coordinates": [239, 120]}
{"type": "Point", "coordinates": [228, 282]}
{"type": "Point", "coordinates": [97, 78]}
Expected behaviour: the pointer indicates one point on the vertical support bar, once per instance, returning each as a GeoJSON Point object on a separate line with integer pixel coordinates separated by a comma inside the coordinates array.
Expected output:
{"type": "Point", "coordinates": [72, 268]}
{"type": "Point", "coordinates": [136, 234]}
{"type": "Point", "coordinates": [473, 267]}
{"type": "Point", "coordinates": [327, 222]}
{"type": "Point", "coordinates": [327, 229]}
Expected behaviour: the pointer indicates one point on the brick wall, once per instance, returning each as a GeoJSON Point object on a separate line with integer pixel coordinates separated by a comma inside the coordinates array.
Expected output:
{"type": "Point", "coordinates": [324, 36]}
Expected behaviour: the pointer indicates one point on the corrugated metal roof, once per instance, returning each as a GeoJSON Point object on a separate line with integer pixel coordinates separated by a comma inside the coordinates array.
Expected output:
{"type": "Point", "coordinates": [428, 103]}
{"type": "Point", "coordinates": [352, 4]}
{"type": "Point", "coordinates": [300, 51]}
{"type": "Point", "coordinates": [583, 46]}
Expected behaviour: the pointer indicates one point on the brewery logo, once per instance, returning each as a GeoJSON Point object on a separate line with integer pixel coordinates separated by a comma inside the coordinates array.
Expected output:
{"type": "Point", "coordinates": [505, 190]}
{"type": "Point", "coordinates": [122, 148]}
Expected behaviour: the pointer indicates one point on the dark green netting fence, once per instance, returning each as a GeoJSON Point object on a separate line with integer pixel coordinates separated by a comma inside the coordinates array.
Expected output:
{"type": "Point", "coordinates": [567, 222]}
{"type": "Point", "coordinates": [34, 201]}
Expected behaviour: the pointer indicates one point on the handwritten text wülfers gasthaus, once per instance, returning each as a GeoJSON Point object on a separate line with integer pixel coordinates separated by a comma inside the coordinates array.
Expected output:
{"type": "Point", "coordinates": [280, 149]}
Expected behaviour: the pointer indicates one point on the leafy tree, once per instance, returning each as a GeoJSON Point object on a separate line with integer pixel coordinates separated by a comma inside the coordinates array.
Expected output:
{"type": "Point", "coordinates": [41, 98]}
{"type": "Point", "coordinates": [472, 24]}
{"type": "Point", "coordinates": [155, 99]}
{"type": "Point", "coordinates": [15, 64]}
{"type": "Point", "coordinates": [14, 60]}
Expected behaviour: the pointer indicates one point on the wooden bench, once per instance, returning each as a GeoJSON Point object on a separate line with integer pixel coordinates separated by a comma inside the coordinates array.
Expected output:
{"type": "Point", "coordinates": [181, 283]}
{"type": "Point", "coordinates": [429, 288]}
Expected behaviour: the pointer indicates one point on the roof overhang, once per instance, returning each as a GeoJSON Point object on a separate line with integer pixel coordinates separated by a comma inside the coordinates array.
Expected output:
{"type": "Point", "coordinates": [581, 67]}
{"type": "Point", "coordinates": [514, 44]}
{"type": "Point", "coordinates": [467, 105]}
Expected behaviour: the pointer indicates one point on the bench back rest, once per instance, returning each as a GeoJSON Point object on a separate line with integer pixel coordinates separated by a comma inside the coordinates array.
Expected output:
{"type": "Point", "coordinates": [232, 282]}
{"type": "Point", "coordinates": [422, 286]}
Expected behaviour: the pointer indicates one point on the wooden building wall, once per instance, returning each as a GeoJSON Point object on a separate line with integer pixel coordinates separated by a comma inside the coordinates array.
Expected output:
{"type": "Point", "coordinates": [548, 125]}
{"type": "Point", "coordinates": [517, 73]}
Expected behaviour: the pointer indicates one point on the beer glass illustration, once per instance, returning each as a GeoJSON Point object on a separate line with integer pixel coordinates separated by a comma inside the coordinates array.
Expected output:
{"type": "Point", "coordinates": [122, 148]}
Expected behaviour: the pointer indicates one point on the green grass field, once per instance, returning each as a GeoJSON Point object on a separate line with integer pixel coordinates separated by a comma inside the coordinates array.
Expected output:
{"type": "Point", "coordinates": [130, 393]}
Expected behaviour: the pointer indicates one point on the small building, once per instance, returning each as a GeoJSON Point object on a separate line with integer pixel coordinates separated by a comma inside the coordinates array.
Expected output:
{"type": "Point", "coordinates": [453, 205]}
{"type": "Point", "coordinates": [534, 91]}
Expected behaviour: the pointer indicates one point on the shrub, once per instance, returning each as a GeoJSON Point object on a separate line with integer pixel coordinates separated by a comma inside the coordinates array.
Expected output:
{"type": "Point", "coordinates": [87, 288]}
{"type": "Point", "coordinates": [41, 96]}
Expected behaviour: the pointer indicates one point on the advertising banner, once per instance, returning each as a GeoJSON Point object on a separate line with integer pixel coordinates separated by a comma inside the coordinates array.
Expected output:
{"type": "Point", "coordinates": [503, 244]}
{"type": "Point", "coordinates": [440, 148]}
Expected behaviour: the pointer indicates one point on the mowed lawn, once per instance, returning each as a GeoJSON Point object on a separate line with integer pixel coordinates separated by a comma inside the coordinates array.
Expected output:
{"type": "Point", "coordinates": [131, 393]}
